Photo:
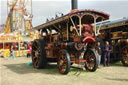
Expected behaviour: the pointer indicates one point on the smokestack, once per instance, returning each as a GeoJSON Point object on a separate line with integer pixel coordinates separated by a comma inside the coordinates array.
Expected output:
{"type": "Point", "coordinates": [74, 4]}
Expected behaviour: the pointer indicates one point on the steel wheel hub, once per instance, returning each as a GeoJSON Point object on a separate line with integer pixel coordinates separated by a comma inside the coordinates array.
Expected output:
{"type": "Point", "coordinates": [61, 62]}
{"type": "Point", "coordinates": [36, 54]}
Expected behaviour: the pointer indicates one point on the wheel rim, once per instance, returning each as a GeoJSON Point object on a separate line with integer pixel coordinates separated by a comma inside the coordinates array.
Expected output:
{"type": "Point", "coordinates": [90, 60]}
{"type": "Point", "coordinates": [35, 54]}
{"type": "Point", "coordinates": [124, 56]}
{"type": "Point", "coordinates": [62, 62]}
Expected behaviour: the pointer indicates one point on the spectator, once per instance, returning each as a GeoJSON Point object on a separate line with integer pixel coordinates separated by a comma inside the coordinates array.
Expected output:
{"type": "Point", "coordinates": [12, 52]}
{"type": "Point", "coordinates": [107, 50]}
{"type": "Point", "coordinates": [30, 50]}
{"type": "Point", "coordinates": [98, 52]}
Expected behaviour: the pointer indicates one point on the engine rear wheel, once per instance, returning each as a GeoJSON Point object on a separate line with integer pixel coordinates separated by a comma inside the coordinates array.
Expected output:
{"type": "Point", "coordinates": [63, 62]}
{"type": "Point", "coordinates": [91, 63]}
{"type": "Point", "coordinates": [39, 59]}
{"type": "Point", "coordinates": [124, 56]}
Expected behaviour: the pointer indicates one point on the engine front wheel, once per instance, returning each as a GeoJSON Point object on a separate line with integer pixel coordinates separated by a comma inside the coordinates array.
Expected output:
{"type": "Point", "coordinates": [91, 63]}
{"type": "Point", "coordinates": [124, 56]}
{"type": "Point", "coordinates": [63, 62]}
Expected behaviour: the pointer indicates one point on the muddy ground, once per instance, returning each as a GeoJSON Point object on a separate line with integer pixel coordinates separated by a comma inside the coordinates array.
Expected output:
{"type": "Point", "coordinates": [16, 72]}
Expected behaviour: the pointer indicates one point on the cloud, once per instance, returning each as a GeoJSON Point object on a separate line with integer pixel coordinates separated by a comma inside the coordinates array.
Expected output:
{"type": "Point", "coordinates": [43, 9]}
{"type": "Point", "coordinates": [48, 9]}
{"type": "Point", "coordinates": [116, 9]}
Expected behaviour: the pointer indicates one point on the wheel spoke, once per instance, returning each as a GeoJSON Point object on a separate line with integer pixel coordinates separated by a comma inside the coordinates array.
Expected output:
{"type": "Point", "coordinates": [33, 50]}
{"type": "Point", "coordinates": [36, 63]}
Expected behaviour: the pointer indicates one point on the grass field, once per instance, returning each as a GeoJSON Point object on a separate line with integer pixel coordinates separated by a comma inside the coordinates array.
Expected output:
{"type": "Point", "coordinates": [16, 72]}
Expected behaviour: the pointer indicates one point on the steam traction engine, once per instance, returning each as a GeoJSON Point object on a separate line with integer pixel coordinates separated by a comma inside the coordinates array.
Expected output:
{"type": "Point", "coordinates": [68, 39]}
{"type": "Point", "coordinates": [116, 32]}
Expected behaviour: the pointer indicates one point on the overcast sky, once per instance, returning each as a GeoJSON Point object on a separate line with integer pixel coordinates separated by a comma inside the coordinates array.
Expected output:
{"type": "Point", "coordinates": [43, 9]}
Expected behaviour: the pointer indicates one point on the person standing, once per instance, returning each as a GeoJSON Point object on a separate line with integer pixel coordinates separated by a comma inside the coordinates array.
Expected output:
{"type": "Point", "coordinates": [30, 49]}
{"type": "Point", "coordinates": [12, 52]}
{"type": "Point", "coordinates": [98, 52]}
{"type": "Point", "coordinates": [107, 52]}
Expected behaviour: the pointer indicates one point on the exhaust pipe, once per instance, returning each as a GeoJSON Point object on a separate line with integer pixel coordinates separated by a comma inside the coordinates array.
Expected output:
{"type": "Point", "coordinates": [74, 4]}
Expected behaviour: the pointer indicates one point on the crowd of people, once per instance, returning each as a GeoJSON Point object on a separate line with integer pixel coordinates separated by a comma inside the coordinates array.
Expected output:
{"type": "Point", "coordinates": [104, 52]}
{"type": "Point", "coordinates": [26, 46]}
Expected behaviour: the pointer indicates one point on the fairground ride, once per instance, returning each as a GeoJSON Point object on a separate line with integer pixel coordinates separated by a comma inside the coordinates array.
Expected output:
{"type": "Point", "coordinates": [19, 19]}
